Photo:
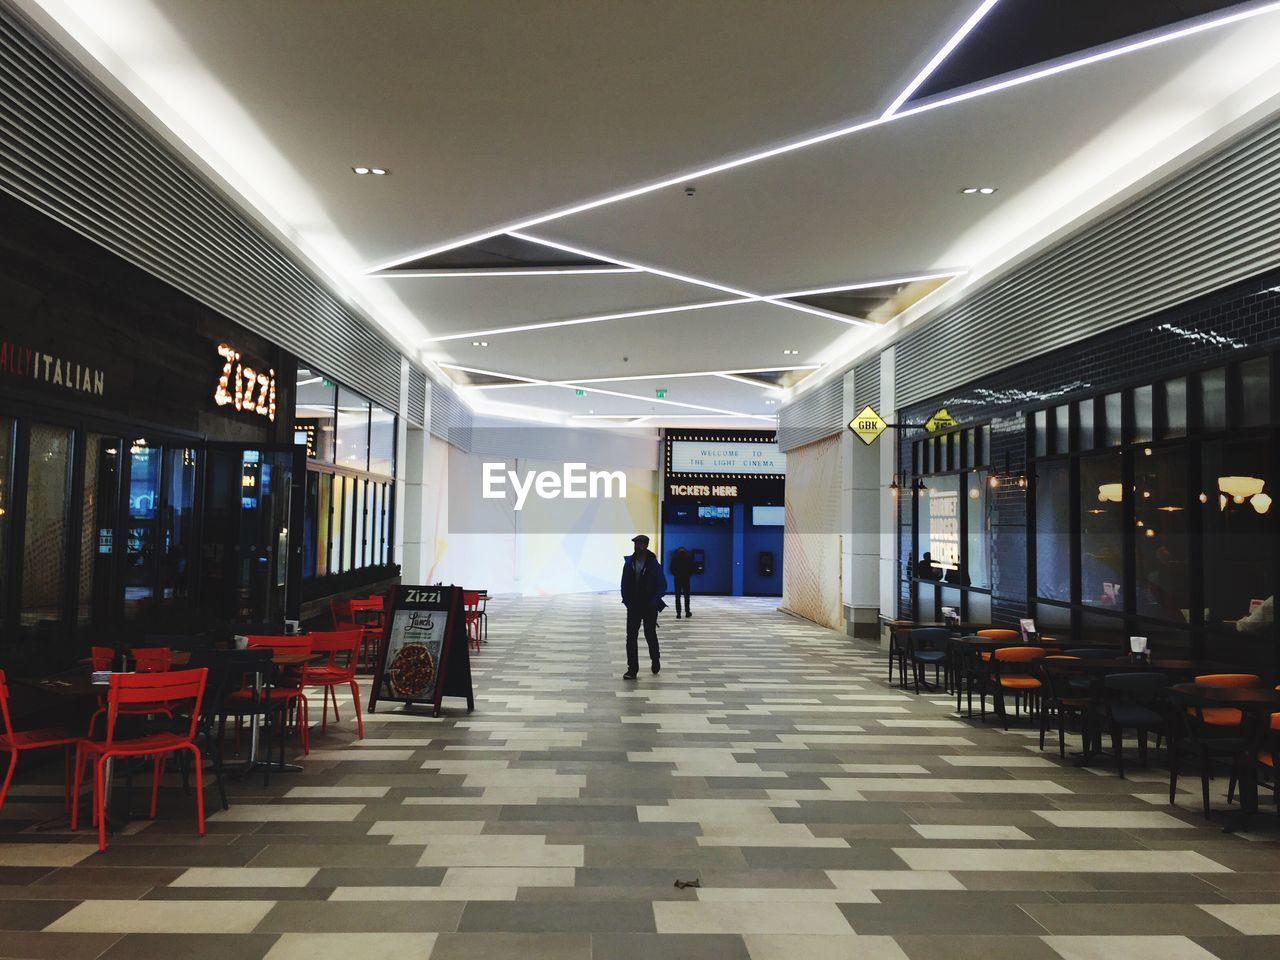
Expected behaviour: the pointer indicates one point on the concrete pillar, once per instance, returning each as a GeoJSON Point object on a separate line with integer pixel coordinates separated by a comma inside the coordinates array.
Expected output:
{"type": "Point", "coordinates": [888, 526]}
{"type": "Point", "coordinates": [861, 547]}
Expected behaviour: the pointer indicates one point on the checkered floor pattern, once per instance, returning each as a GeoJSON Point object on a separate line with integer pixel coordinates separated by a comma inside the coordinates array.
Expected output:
{"type": "Point", "coordinates": [823, 813]}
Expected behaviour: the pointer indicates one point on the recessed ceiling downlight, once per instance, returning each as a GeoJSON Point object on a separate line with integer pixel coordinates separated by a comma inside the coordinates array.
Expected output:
{"type": "Point", "coordinates": [984, 191]}
{"type": "Point", "coordinates": [366, 171]}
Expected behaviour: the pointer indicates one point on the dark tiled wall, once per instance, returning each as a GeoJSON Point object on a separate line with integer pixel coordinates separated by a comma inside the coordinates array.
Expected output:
{"type": "Point", "coordinates": [1230, 324]}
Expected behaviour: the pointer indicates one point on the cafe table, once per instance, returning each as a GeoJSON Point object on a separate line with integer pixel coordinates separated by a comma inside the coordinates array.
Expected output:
{"type": "Point", "coordinates": [898, 645]}
{"type": "Point", "coordinates": [1257, 704]}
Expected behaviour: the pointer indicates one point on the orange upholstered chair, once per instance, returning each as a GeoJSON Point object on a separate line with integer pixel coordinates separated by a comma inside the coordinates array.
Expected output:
{"type": "Point", "coordinates": [1225, 716]}
{"type": "Point", "coordinates": [1013, 669]}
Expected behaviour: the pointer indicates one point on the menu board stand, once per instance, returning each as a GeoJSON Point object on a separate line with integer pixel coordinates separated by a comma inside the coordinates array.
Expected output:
{"type": "Point", "coordinates": [423, 654]}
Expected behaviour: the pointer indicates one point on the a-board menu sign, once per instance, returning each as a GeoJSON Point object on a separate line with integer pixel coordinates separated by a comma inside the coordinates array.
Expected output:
{"type": "Point", "coordinates": [423, 656]}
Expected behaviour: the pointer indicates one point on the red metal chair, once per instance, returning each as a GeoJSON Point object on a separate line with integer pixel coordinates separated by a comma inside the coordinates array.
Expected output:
{"type": "Point", "coordinates": [368, 614]}
{"type": "Point", "coordinates": [16, 741]}
{"type": "Point", "coordinates": [343, 618]}
{"type": "Point", "coordinates": [287, 690]}
{"type": "Point", "coordinates": [178, 689]}
{"type": "Point", "coordinates": [101, 657]}
{"type": "Point", "coordinates": [151, 659]}
{"type": "Point", "coordinates": [472, 611]}
{"type": "Point", "coordinates": [341, 647]}
{"type": "Point", "coordinates": [146, 660]}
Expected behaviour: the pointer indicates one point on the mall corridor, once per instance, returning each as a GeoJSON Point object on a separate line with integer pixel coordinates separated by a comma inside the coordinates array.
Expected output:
{"type": "Point", "coordinates": [824, 813]}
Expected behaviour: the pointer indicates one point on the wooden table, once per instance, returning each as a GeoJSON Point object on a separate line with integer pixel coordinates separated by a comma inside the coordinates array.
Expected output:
{"type": "Point", "coordinates": [1257, 704]}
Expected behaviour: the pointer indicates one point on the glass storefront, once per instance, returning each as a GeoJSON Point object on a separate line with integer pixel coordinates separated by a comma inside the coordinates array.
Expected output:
{"type": "Point", "coordinates": [351, 453]}
{"type": "Point", "coordinates": [950, 508]}
{"type": "Point", "coordinates": [1147, 511]}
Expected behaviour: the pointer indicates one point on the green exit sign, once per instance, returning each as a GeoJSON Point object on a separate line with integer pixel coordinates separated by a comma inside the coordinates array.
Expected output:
{"type": "Point", "coordinates": [581, 393]}
{"type": "Point", "coordinates": [662, 394]}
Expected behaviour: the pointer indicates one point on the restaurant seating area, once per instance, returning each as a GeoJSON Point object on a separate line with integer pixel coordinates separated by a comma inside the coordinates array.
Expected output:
{"type": "Point", "coordinates": [149, 705]}
{"type": "Point", "coordinates": [1222, 716]}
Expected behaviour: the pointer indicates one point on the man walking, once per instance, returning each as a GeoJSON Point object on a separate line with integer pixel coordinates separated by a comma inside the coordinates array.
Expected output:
{"type": "Point", "coordinates": [643, 584]}
{"type": "Point", "coordinates": [681, 572]}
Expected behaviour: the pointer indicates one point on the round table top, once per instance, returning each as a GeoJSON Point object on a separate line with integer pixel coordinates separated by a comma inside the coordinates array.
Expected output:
{"type": "Point", "coordinates": [1242, 698]}
{"type": "Point", "coordinates": [985, 643]}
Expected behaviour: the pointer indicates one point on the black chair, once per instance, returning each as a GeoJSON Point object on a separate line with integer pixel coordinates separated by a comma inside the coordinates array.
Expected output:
{"type": "Point", "coordinates": [898, 654]}
{"type": "Point", "coordinates": [1065, 692]}
{"type": "Point", "coordinates": [1132, 701]}
{"type": "Point", "coordinates": [1191, 734]}
{"type": "Point", "coordinates": [967, 667]}
{"type": "Point", "coordinates": [239, 686]}
{"type": "Point", "coordinates": [927, 647]}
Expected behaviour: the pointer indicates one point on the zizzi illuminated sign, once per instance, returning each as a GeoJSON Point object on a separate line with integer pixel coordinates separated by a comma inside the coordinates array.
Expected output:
{"type": "Point", "coordinates": [703, 489]}
{"type": "Point", "coordinates": [245, 387]}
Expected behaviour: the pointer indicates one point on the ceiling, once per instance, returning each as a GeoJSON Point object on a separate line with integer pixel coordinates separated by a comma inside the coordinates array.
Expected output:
{"type": "Point", "coordinates": [571, 135]}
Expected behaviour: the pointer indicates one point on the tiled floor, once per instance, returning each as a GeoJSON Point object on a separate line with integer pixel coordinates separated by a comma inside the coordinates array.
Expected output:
{"type": "Point", "coordinates": [826, 814]}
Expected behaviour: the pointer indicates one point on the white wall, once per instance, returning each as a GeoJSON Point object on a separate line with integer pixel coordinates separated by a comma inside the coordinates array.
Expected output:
{"type": "Point", "coordinates": [548, 547]}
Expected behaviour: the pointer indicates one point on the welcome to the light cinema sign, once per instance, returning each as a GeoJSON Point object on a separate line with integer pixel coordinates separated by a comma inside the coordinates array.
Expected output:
{"type": "Point", "coordinates": [736, 459]}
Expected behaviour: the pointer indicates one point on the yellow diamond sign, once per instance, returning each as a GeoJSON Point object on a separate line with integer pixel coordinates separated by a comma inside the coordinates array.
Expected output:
{"type": "Point", "coordinates": [868, 425]}
{"type": "Point", "coordinates": [940, 421]}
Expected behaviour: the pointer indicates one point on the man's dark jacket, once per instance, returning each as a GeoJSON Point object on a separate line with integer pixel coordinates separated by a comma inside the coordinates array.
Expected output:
{"type": "Point", "coordinates": [647, 594]}
{"type": "Point", "coordinates": [682, 565]}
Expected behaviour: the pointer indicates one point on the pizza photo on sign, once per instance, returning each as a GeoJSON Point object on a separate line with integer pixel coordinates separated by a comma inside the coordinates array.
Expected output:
{"type": "Point", "coordinates": [411, 671]}
{"type": "Point", "coordinates": [413, 655]}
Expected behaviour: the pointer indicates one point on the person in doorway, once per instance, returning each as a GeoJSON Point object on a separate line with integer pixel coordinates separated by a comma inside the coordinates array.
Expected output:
{"type": "Point", "coordinates": [643, 586]}
{"type": "Point", "coordinates": [681, 572]}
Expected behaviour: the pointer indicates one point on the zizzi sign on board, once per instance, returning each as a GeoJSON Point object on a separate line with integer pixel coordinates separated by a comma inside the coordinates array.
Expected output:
{"type": "Point", "coordinates": [697, 456]}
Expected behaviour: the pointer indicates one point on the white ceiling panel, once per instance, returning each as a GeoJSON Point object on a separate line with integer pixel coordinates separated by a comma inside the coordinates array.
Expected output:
{"type": "Point", "coordinates": [490, 111]}
{"type": "Point", "coordinates": [452, 305]}
{"type": "Point", "coordinates": [746, 336]}
{"type": "Point", "coordinates": [885, 202]}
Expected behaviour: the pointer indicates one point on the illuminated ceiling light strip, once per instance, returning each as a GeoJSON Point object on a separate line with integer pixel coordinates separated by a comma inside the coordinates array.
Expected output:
{"type": "Point", "coordinates": [749, 383]}
{"type": "Point", "coordinates": [684, 278]}
{"type": "Point", "coordinates": [603, 318]}
{"type": "Point", "coordinates": [1072, 63]}
{"type": "Point", "coordinates": [872, 284]}
{"type": "Point", "coordinates": [674, 416]}
{"type": "Point", "coordinates": [533, 381]}
{"type": "Point", "coordinates": [656, 376]}
{"type": "Point", "coordinates": [550, 272]}
{"type": "Point", "coordinates": [965, 29]}
{"type": "Point", "coordinates": [309, 381]}
{"type": "Point", "coordinates": [840, 132]}
{"type": "Point", "coordinates": [700, 373]}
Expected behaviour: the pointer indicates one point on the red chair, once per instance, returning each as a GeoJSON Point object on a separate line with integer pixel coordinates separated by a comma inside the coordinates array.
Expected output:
{"type": "Point", "coordinates": [340, 646]}
{"type": "Point", "coordinates": [172, 689]}
{"type": "Point", "coordinates": [16, 741]}
{"type": "Point", "coordinates": [343, 618]}
{"type": "Point", "coordinates": [368, 614]}
{"type": "Point", "coordinates": [472, 612]}
{"type": "Point", "coordinates": [151, 659]}
{"type": "Point", "coordinates": [146, 660]}
{"type": "Point", "coordinates": [285, 689]}
{"type": "Point", "coordinates": [101, 657]}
